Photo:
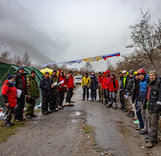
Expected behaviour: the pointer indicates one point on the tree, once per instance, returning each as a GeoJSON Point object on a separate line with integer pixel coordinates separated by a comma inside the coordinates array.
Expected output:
{"type": "Point", "coordinates": [5, 57]}
{"type": "Point", "coordinates": [17, 61]}
{"type": "Point", "coordinates": [26, 59]}
{"type": "Point", "coordinates": [88, 67]}
{"type": "Point", "coordinates": [146, 38]}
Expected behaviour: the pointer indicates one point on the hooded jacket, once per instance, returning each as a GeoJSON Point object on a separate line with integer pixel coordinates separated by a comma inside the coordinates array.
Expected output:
{"type": "Point", "coordinates": [21, 82]}
{"type": "Point", "coordinates": [130, 85]}
{"type": "Point", "coordinates": [113, 85]}
{"type": "Point", "coordinates": [70, 82]}
{"type": "Point", "coordinates": [94, 83]}
{"type": "Point", "coordinates": [86, 81]}
{"type": "Point", "coordinates": [62, 87]}
{"type": "Point", "coordinates": [45, 86]}
{"type": "Point", "coordinates": [153, 95]}
{"type": "Point", "coordinates": [54, 79]}
{"type": "Point", "coordinates": [125, 82]}
{"type": "Point", "coordinates": [33, 89]}
{"type": "Point", "coordinates": [105, 82]}
{"type": "Point", "coordinates": [9, 93]}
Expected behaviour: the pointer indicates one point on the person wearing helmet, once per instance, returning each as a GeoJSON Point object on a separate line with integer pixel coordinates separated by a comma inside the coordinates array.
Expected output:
{"type": "Point", "coordinates": [129, 90]}
{"type": "Point", "coordinates": [135, 88]}
{"type": "Point", "coordinates": [122, 101]}
{"type": "Point", "coordinates": [140, 97]}
{"type": "Point", "coordinates": [124, 86]}
{"type": "Point", "coordinates": [153, 105]}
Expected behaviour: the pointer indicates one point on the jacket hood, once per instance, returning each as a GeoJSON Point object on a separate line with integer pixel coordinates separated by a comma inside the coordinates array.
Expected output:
{"type": "Point", "coordinates": [6, 82]}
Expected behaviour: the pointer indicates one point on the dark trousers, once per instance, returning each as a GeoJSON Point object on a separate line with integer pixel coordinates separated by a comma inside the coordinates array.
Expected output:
{"type": "Point", "coordinates": [153, 127]}
{"type": "Point", "coordinates": [45, 103]}
{"type": "Point", "coordinates": [122, 100]}
{"type": "Point", "coordinates": [69, 95]}
{"type": "Point", "coordinates": [106, 95]}
{"type": "Point", "coordinates": [85, 92]}
{"type": "Point", "coordinates": [138, 113]}
{"type": "Point", "coordinates": [93, 94]}
{"type": "Point", "coordinates": [8, 111]}
{"type": "Point", "coordinates": [61, 97]}
{"type": "Point", "coordinates": [53, 103]}
{"type": "Point", "coordinates": [19, 108]}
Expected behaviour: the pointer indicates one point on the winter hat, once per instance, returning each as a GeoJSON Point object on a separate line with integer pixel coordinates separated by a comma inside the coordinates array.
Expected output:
{"type": "Point", "coordinates": [71, 72]}
{"type": "Point", "coordinates": [113, 75]}
{"type": "Point", "coordinates": [120, 72]}
{"type": "Point", "coordinates": [33, 71]}
{"type": "Point", "coordinates": [153, 72]}
{"type": "Point", "coordinates": [54, 71]}
{"type": "Point", "coordinates": [107, 72]}
{"type": "Point", "coordinates": [9, 76]}
{"type": "Point", "coordinates": [46, 73]}
{"type": "Point", "coordinates": [21, 68]}
{"type": "Point", "coordinates": [100, 73]}
{"type": "Point", "coordinates": [93, 73]}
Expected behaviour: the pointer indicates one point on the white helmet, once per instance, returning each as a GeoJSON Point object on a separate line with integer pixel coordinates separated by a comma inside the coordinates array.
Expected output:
{"type": "Point", "coordinates": [124, 72]}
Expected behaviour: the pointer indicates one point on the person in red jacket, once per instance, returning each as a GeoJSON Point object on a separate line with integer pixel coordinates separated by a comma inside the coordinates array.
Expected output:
{"type": "Point", "coordinates": [105, 86]}
{"type": "Point", "coordinates": [9, 95]}
{"type": "Point", "coordinates": [70, 87]}
{"type": "Point", "coordinates": [113, 88]}
{"type": "Point", "coordinates": [61, 89]}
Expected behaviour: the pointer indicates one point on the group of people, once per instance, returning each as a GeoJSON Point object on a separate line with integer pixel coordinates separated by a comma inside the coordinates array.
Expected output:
{"type": "Point", "coordinates": [139, 95]}
{"type": "Point", "coordinates": [20, 90]}
{"type": "Point", "coordinates": [107, 86]}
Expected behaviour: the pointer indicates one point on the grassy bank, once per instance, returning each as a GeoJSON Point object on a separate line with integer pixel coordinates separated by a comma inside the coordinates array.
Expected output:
{"type": "Point", "coordinates": [6, 132]}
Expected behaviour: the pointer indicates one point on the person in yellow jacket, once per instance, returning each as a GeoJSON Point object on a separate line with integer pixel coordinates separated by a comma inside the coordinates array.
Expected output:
{"type": "Point", "coordinates": [86, 81]}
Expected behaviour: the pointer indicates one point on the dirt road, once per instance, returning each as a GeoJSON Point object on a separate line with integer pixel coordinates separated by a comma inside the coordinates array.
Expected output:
{"type": "Point", "coordinates": [87, 129]}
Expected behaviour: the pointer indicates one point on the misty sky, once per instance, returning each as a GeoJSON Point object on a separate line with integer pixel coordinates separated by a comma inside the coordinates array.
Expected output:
{"type": "Point", "coordinates": [63, 30]}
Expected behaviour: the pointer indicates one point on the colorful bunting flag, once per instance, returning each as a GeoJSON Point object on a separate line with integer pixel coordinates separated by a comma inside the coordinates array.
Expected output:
{"type": "Point", "coordinates": [110, 55]}
{"type": "Point", "coordinates": [90, 59]}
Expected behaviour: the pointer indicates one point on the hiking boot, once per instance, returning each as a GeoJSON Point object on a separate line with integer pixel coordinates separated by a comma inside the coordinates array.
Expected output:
{"type": "Point", "coordinates": [45, 113]}
{"type": "Point", "coordinates": [34, 116]}
{"type": "Point", "coordinates": [67, 104]}
{"type": "Point", "coordinates": [12, 124]}
{"type": "Point", "coordinates": [60, 107]}
{"type": "Point", "coordinates": [28, 117]}
{"type": "Point", "coordinates": [143, 132]}
{"type": "Point", "coordinates": [56, 109]}
{"type": "Point", "coordinates": [17, 120]}
{"type": "Point", "coordinates": [147, 139]}
{"type": "Point", "coordinates": [7, 124]}
{"type": "Point", "coordinates": [149, 144]}
{"type": "Point", "coordinates": [71, 104]}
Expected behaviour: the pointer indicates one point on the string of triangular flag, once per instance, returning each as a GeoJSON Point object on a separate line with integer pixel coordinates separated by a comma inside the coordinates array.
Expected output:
{"type": "Point", "coordinates": [90, 59]}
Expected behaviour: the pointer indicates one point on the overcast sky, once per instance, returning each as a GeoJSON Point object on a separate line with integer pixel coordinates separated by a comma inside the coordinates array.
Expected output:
{"type": "Point", "coordinates": [70, 29]}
